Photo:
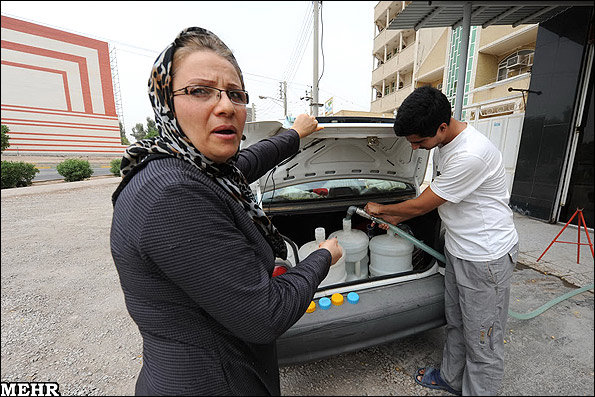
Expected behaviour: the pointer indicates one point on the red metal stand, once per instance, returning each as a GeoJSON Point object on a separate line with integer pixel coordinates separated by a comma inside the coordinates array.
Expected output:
{"type": "Point", "coordinates": [581, 220]}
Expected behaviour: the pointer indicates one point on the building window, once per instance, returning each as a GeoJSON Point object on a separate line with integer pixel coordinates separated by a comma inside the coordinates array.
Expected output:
{"type": "Point", "coordinates": [516, 63]}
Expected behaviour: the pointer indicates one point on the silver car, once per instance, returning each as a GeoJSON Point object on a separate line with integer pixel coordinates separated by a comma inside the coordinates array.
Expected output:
{"type": "Point", "coordinates": [350, 162]}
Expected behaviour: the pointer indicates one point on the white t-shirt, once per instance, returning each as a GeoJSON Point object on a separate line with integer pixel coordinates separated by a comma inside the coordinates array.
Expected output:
{"type": "Point", "coordinates": [469, 174]}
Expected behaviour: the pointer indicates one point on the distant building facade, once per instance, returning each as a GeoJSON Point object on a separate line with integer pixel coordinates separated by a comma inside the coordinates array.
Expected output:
{"type": "Point", "coordinates": [57, 92]}
{"type": "Point", "coordinates": [546, 138]}
{"type": "Point", "coordinates": [499, 56]}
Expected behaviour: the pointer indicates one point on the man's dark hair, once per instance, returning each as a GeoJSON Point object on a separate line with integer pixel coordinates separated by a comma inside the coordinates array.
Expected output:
{"type": "Point", "coordinates": [422, 112]}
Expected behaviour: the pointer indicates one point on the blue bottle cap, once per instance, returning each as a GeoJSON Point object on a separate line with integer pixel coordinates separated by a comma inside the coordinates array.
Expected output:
{"type": "Point", "coordinates": [352, 297]}
{"type": "Point", "coordinates": [324, 303]}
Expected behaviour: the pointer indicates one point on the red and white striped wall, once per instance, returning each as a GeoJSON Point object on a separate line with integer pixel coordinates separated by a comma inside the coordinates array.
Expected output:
{"type": "Point", "coordinates": [57, 92]}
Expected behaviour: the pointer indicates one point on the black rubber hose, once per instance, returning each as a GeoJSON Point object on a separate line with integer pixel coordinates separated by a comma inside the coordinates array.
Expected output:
{"type": "Point", "coordinates": [293, 247]}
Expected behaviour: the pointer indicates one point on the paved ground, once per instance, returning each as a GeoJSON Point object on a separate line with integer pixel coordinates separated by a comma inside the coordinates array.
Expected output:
{"type": "Point", "coordinates": [64, 319]}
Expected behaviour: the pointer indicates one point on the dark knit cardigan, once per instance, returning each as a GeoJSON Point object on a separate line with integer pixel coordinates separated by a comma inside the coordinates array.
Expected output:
{"type": "Point", "coordinates": [196, 276]}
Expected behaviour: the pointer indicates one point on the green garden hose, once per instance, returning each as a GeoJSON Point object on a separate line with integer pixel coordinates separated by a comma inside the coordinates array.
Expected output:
{"type": "Point", "coordinates": [551, 303]}
{"type": "Point", "coordinates": [354, 210]}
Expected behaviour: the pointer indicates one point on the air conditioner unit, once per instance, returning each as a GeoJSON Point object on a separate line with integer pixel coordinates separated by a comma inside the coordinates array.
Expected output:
{"type": "Point", "coordinates": [524, 59]}
{"type": "Point", "coordinates": [512, 61]}
{"type": "Point", "coordinates": [518, 60]}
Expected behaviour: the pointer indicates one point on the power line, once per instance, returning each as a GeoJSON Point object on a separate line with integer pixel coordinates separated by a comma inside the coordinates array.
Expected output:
{"type": "Point", "coordinates": [300, 48]}
{"type": "Point", "coordinates": [296, 64]}
{"type": "Point", "coordinates": [297, 46]}
{"type": "Point", "coordinates": [92, 36]}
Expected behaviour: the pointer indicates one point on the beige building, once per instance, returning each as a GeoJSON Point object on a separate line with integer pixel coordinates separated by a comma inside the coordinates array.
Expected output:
{"type": "Point", "coordinates": [500, 57]}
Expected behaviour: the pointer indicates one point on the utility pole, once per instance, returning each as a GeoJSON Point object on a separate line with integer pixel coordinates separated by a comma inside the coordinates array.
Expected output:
{"type": "Point", "coordinates": [283, 95]}
{"type": "Point", "coordinates": [314, 103]}
{"type": "Point", "coordinates": [285, 98]}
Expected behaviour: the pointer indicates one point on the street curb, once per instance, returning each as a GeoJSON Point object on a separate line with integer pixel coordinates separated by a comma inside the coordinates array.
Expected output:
{"type": "Point", "coordinates": [55, 186]}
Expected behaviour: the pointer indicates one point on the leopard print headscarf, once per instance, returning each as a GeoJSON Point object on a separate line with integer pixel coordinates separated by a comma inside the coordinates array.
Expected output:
{"type": "Point", "coordinates": [173, 142]}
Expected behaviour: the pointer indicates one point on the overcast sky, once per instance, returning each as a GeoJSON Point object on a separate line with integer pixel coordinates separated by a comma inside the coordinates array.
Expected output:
{"type": "Point", "coordinates": [265, 37]}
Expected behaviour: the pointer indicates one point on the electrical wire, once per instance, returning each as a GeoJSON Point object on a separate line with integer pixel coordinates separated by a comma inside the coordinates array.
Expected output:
{"type": "Point", "coordinates": [302, 49]}
{"type": "Point", "coordinates": [298, 41]}
{"type": "Point", "coordinates": [297, 49]}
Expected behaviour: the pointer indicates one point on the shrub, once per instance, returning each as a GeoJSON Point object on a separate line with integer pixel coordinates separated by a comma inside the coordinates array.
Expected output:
{"type": "Point", "coordinates": [115, 166]}
{"type": "Point", "coordinates": [5, 137]}
{"type": "Point", "coordinates": [74, 170]}
{"type": "Point", "coordinates": [17, 174]}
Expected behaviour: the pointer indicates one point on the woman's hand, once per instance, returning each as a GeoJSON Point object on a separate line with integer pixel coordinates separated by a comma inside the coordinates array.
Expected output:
{"type": "Point", "coordinates": [332, 245]}
{"type": "Point", "coordinates": [305, 125]}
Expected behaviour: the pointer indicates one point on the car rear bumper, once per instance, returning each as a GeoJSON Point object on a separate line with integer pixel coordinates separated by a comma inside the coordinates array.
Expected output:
{"type": "Point", "coordinates": [383, 314]}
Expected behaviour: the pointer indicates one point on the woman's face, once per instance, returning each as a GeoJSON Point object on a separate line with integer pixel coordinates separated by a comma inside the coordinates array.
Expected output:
{"type": "Point", "coordinates": [215, 127]}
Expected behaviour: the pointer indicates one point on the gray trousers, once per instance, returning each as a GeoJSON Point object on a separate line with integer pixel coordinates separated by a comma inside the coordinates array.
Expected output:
{"type": "Point", "coordinates": [476, 307]}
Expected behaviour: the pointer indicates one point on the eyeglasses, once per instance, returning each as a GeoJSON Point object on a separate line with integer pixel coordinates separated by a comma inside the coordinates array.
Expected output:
{"type": "Point", "coordinates": [206, 94]}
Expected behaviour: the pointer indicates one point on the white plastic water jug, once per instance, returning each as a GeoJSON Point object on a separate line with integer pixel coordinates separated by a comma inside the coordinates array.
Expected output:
{"type": "Point", "coordinates": [337, 273]}
{"type": "Point", "coordinates": [390, 254]}
{"type": "Point", "coordinates": [290, 261]}
{"type": "Point", "coordinates": [290, 254]}
{"type": "Point", "coordinates": [355, 249]}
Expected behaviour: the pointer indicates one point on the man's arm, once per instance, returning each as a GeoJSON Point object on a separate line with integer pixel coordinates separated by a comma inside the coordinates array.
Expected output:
{"type": "Point", "coordinates": [400, 212]}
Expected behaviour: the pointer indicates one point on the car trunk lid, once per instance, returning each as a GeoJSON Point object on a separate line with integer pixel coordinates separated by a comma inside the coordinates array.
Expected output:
{"type": "Point", "coordinates": [344, 150]}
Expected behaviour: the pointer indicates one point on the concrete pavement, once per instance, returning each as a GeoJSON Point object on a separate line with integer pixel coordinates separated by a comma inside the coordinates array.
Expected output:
{"type": "Point", "coordinates": [534, 236]}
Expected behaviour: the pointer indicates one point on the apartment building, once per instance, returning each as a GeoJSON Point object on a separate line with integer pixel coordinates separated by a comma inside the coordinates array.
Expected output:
{"type": "Point", "coordinates": [500, 57]}
{"type": "Point", "coordinates": [528, 88]}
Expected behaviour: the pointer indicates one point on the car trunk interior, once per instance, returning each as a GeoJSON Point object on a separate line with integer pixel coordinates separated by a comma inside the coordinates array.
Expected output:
{"type": "Point", "coordinates": [299, 228]}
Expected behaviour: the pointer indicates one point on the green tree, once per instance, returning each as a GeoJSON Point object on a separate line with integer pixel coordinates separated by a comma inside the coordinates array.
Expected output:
{"type": "Point", "coordinates": [5, 137]}
{"type": "Point", "coordinates": [138, 131]}
{"type": "Point", "coordinates": [123, 139]}
{"type": "Point", "coordinates": [152, 130]}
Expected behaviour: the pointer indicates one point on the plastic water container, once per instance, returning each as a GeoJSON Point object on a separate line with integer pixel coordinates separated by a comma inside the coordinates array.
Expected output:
{"type": "Point", "coordinates": [355, 250]}
{"type": "Point", "coordinates": [290, 255]}
{"type": "Point", "coordinates": [390, 254]}
{"type": "Point", "coordinates": [290, 261]}
{"type": "Point", "coordinates": [337, 273]}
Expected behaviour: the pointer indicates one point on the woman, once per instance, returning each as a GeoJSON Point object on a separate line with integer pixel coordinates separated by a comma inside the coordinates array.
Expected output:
{"type": "Point", "coordinates": [193, 249]}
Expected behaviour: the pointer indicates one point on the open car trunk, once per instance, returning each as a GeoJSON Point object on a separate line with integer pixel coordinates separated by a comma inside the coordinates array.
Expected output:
{"type": "Point", "coordinates": [351, 162]}
{"type": "Point", "coordinates": [390, 307]}
{"type": "Point", "coordinates": [298, 227]}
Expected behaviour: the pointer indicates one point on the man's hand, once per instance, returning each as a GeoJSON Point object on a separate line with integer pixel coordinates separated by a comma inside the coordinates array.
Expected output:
{"type": "Point", "coordinates": [377, 210]}
{"type": "Point", "coordinates": [393, 220]}
{"type": "Point", "coordinates": [374, 209]}
{"type": "Point", "coordinates": [305, 125]}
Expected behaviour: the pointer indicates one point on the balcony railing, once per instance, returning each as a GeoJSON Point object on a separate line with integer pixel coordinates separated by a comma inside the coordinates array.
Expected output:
{"type": "Point", "coordinates": [388, 102]}
{"type": "Point", "coordinates": [390, 67]}
{"type": "Point", "coordinates": [382, 39]}
{"type": "Point", "coordinates": [380, 9]}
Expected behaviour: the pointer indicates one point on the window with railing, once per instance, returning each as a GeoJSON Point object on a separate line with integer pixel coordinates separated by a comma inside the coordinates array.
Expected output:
{"type": "Point", "coordinates": [516, 63]}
